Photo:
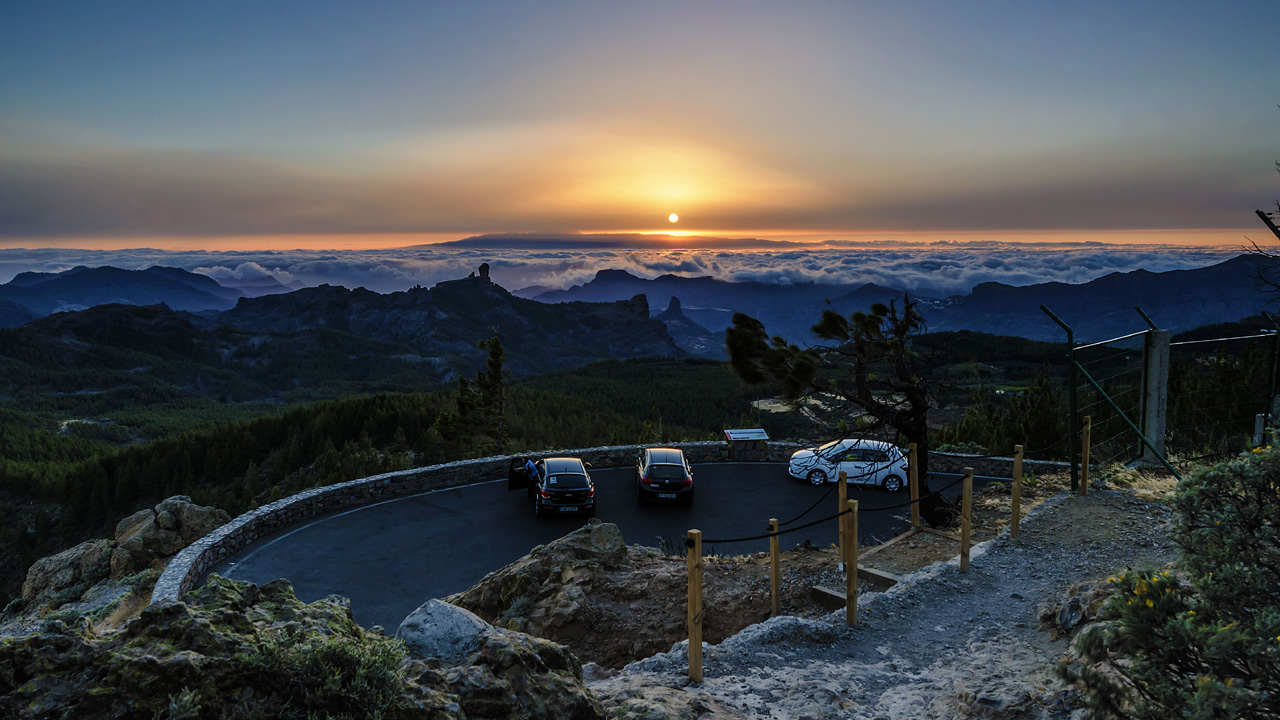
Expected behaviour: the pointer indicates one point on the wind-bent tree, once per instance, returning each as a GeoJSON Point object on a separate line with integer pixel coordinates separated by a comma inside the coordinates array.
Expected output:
{"type": "Point", "coordinates": [868, 364]}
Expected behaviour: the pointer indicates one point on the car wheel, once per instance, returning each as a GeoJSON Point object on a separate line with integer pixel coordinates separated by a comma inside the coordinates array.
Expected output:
{"type": "Point", "coordinates": [817, 477]}
{"type": "Point", "coordinates": [688, 499]}
{"type": "Point", "coordinates": [591, 513]}
{"type": "Point", "coordinates": [892, 484]}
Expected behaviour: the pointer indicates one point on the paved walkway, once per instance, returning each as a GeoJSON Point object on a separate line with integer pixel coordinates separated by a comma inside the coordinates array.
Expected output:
{"type": "Point", "coordinates": [942, 644]}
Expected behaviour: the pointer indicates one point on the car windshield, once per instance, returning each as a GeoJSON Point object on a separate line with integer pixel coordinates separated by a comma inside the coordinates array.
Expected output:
{"type": "Point", "coordinates": [828, 446]}
{"type": "Point", "coordinates": [666, 472]}
{"type": "Point", "coordinates": [567, 481]}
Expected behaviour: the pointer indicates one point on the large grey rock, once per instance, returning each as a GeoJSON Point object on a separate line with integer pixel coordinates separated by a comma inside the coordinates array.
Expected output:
{"type": "Point", "coordinates": [130, 525]}
{"type": "Point", "coordinates": [438, 630]}
{"type": "Point", "coordinates": [196, 521]}
{"type": "Point", "coordinates": [149, 534]}
{"type": "Point", "coordinates": [84, 564]}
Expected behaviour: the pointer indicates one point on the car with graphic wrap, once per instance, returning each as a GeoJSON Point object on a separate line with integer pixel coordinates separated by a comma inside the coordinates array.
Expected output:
{"type": "Point", "coordinates": [864, 462]}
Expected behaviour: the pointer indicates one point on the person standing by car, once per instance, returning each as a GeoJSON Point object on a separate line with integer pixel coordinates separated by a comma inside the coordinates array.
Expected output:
{"type": "Point", "coordinates": [531, 471]}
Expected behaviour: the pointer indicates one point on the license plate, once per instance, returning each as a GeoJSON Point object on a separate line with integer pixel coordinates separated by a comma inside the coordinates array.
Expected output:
{"type": "Point", "coordinates": [666, 495]}
{"type": "Point", "coordinates": [568, 509]}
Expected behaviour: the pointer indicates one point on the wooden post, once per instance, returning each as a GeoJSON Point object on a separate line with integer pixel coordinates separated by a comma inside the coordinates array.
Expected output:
{"type": "Point", "coordinates": [775, 570]}
{"type": "Point", "coordinates": [843, 492]}
{"type": "Point", "coordinates": [851, 567]}
{"type": "Point", "coordinates": [1016, 515]}
{"type": "Point", "coordinates": [913, 483]}
{"type": "Point", "coordinates": [1084, 455]}
{"type": "Point", "coordinates": [966, 508]}
{"type": "Point", "coordinates": [695, 605]}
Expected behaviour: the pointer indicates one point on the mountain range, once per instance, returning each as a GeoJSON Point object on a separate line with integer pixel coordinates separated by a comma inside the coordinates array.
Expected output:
{"type": "Point", "coordinates": [320, 337]}
{"type": "Point", "coordinates": [433, 332]}
{"type": "Point", "coordinates": [31, 295]}
{"type": "Point", "coordinates": [1177, 300]}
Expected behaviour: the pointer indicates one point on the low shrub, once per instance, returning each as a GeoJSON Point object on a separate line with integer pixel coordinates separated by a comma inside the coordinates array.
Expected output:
{"type": "Point", "coordinates": [1206, 645]}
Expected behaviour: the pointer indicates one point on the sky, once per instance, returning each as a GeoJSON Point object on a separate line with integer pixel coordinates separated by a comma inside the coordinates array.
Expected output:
{"type": "Point", "coordinates": [248, 126]}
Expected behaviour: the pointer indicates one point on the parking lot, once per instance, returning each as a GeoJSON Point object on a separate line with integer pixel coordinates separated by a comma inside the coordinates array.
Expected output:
{"type": "Point", "coordinates": [391, 557]}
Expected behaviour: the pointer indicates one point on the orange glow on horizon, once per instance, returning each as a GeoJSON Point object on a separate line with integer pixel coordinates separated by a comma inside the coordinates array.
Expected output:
{"type": "Point", "coordinates": [817, 239]}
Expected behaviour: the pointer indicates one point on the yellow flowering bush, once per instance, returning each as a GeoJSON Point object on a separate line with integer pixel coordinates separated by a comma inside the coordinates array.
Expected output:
{"type": "Point", "coordinates": [1203, 642]}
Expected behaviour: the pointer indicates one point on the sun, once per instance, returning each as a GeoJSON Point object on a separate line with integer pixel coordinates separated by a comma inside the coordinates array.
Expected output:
{"type": "Point", "coordinates": [673, 217]}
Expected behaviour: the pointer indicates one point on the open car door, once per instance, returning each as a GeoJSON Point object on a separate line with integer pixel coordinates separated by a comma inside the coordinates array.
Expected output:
{"type": "Point", "coordinates": [517, 476]}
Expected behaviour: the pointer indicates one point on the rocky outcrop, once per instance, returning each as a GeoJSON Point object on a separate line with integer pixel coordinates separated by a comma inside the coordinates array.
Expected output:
{"type": "Point", "coordinates": [170, 526]}
{"type": "Point", "coordinates": [238, 650]}
{"type": "Point", "coordinates": [140, 539]}
{"type": "Point", "coordinates": [589, 591]}
{"type": "Point", "coordinates": [60, 575]}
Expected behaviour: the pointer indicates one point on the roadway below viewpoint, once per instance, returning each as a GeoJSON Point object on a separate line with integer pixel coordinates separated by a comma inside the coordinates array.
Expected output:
{"type": "Point", "coordinates": [390, 557]}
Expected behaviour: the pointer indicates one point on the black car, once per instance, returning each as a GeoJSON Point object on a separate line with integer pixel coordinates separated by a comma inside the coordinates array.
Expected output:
{"type": "Point", "coordinates": [562, 485]}
{"type": "Point", "coordinates": [663, 474]}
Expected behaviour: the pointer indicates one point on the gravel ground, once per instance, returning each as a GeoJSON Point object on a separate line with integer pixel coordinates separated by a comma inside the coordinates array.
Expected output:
{"type": "Point", "coordinates": [940, 644]}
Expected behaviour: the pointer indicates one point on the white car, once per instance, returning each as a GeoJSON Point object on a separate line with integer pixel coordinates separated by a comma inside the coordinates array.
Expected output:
{"type": "Point", "coordinates": [864, 462]}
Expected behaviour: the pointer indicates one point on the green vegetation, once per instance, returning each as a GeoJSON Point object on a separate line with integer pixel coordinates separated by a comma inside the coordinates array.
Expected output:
{"type": "Point", "coordinates": [1203, 642]}
{"type": "Point", "coordinates": [89, 485]}
{"type": "Point", "coordinates": [341, 677]}
{"type": "Point", "coordinates": [1035, 418]}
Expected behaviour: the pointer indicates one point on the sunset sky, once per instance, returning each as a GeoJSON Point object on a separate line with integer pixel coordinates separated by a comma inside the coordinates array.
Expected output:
{"type": "Point", "coordinates": [239, 125]}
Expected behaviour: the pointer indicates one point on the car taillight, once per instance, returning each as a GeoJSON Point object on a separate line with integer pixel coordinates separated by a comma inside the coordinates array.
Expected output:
{"type": "Point", "coordinates": [645, 481]}
{"type": "Point", "coordinates": [591, 492]}
{"type": "Point", "coordinates": [687, 482]}
{"type": "Point", "coordinates": [544, 493]}
{"type": "Point", "coordinates": [903, 468]}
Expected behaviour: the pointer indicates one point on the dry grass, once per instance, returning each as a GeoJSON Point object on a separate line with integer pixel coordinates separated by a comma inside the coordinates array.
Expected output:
{"type": "Point", "coordinates": [1151, 484]}
{"type": "Point", "coordinates": [128, 607]}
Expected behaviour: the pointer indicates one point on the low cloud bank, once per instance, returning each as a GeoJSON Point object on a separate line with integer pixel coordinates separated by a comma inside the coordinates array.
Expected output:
{"type": "Point", "coordinates": [936, 271]}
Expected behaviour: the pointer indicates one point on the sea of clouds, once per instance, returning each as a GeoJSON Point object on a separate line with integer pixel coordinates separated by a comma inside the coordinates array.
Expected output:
{"type": "Point", "coordinates": [938, 270]}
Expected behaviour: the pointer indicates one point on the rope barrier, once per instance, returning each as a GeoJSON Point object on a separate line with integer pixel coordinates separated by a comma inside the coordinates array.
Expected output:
{"type": "Point", "coordinates": [847, 478]}
{"type": "Point", "coordinates": [780, 533]}
{"type": "Point", "coordinates": [811, 507]}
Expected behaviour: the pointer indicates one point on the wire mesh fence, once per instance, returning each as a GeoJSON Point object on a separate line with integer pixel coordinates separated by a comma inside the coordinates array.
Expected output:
{"type": "Point", "coordinates": [1116, 366]}
{"type": "Point", "coordinates": [1217, 388]}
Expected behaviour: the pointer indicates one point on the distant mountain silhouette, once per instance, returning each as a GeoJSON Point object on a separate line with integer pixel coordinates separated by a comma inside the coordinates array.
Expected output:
{"type": "Point", "coordinates": [711, 302]}
{"type": "Point", "coordinates": [1177, 300]}
{"type": "Point", "coordinates": [42, 294]}
{"type": "Point", "coordinates": [689, 335]}
{"type": "Point", "coordinates": [444, 323]}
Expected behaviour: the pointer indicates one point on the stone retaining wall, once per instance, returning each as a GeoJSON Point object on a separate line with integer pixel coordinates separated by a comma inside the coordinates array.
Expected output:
{"type": "Point", "coordinates": [187, 569]}
{"type": "Point", "coordinates": [990, 466]}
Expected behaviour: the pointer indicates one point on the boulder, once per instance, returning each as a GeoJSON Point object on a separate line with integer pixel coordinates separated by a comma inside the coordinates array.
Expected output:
{"type": "Point", "coordinates": [148, 534]}
{"type": "Point", "coordinates": [438, 630]}
{"type": "Point", "coordinates": [130, 524]}
{"type": "Point", "coordinates": [189, 659]}
{"type": "Point", "coordinates": [80, 566]}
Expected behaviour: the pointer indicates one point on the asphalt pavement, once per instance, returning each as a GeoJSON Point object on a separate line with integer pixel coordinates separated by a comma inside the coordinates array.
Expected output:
{"type": "Point", "coordinates": [392, 556]}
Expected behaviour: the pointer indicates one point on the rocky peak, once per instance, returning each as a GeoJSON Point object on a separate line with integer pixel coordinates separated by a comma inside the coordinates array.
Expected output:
{"type": "Point", "coordinates": [637, 305]}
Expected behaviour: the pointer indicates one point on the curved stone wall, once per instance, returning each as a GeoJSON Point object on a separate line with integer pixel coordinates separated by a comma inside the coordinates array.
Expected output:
{"type": "Point", "coordinates": [187, 569]}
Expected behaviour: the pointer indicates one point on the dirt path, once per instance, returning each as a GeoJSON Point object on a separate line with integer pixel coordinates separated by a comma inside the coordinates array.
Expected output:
{"type": "Point", "coordinates": [941, 644]}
